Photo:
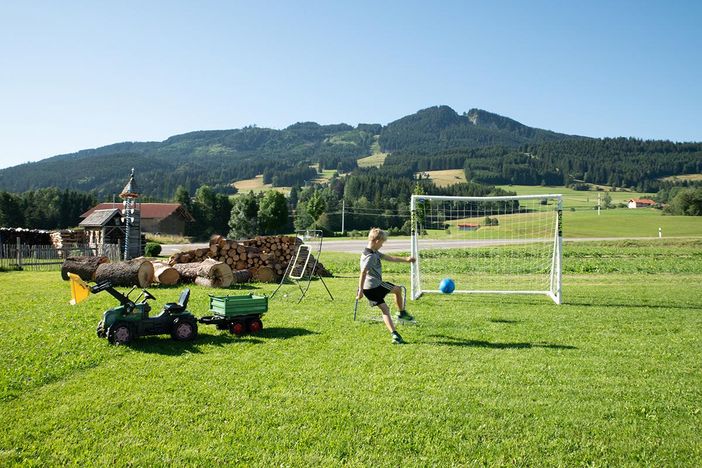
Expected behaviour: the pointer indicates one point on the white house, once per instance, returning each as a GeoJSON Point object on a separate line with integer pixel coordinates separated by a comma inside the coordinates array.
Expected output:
{"type": "Point", "coordinates": [640, 203]}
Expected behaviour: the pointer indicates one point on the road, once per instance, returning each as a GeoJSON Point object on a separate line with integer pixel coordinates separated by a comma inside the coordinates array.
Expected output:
{"type": "Point", "coordinates": [403, 245]}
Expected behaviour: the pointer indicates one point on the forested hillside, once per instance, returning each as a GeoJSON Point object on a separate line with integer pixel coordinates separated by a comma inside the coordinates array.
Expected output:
{"type": "Point", "coordinates": [440, 128]}
{"type": "Point", "coordinates": [219, 157]}
{"type": "Point", "coordinates": [216, 158]}
{"type": "Point", "coordinates": [618, 162]}
{"type": "Point", "coordinates": [492, 149]}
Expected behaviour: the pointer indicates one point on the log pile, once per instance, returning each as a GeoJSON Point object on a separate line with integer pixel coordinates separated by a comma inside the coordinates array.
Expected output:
{"type": "Point", "coordinates": [265, 257]}
{"type": "Point", "coordinates": [27, 236]}
{"type": "Point", "coordinates": [67, 238]}
{"type": "Point", "coordinates": [224, 262]}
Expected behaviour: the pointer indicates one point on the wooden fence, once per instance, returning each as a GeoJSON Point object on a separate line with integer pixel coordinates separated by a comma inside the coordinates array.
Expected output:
{"type": "Point", "coordinates": [47, 257]}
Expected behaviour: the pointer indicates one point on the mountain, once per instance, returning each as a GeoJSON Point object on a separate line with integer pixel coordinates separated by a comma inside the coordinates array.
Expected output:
{"type": "Point", "coordinates": [441, 128]}
{"type": "Point", "coordinates": [491, 148]}
{"type": "Point", "coordinates": [216, 158]}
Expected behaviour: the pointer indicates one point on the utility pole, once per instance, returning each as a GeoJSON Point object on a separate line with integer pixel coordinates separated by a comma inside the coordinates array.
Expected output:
{"type": "Point", "coordinates": [343, 214]}
{"type": "Point", "coordinates": [598, 204]}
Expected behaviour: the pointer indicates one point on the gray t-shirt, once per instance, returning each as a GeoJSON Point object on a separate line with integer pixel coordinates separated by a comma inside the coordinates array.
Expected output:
{"type": "Point", "coordinates": [371, 259]}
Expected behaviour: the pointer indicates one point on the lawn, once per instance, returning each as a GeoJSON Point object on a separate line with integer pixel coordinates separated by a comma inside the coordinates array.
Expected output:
{"type": "Point", "coordinates": [577, 199]}
{"type": "Point", "coordinates": [612, 377]}
{"type": "Point", "coordinates": [256, 185]}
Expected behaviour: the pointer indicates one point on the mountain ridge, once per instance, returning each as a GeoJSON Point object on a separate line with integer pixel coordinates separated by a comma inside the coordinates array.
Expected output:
{"type": "Point", "coordinates": [220, 157]}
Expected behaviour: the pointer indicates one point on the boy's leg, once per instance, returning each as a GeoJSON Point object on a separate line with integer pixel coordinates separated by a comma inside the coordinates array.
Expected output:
{"type": "Point", "coordinates": [396, 338]}
{"type": "Point", "coordinates": [386, 317]}
{"type": "Point", "coordinates": [402, 313]}
{"type": "Point", "coordinates": [397, 291]}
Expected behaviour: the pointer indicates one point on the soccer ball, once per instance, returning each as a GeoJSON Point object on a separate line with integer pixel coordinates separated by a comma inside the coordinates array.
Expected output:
{"type": "Point", "coordinates": [447, 286]}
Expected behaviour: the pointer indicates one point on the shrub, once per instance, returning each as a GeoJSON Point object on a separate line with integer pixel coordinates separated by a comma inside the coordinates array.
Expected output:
{"type": "Point", "coordinates": [152, 249]}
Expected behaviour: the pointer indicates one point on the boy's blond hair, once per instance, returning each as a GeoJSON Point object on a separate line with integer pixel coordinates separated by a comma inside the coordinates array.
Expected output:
{"type": "Point", "coordinates": [377, 234]}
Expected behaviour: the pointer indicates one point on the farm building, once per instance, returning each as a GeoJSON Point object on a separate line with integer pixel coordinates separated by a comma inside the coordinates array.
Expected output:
{"type": "Point", "coordinates": [165, 218]}
{"type": "Point", "coordinates": [103, 227]}
{"type": "Point", "coordinates": [468, 227]}
{"type": "Point", "coordinates": [640, 203]}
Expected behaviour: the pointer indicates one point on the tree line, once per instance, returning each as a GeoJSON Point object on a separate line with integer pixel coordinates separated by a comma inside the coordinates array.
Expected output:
{"type": "Point", "coordinates": [48, 208]}
{"type": "Point", "coordinates": [618, 162]}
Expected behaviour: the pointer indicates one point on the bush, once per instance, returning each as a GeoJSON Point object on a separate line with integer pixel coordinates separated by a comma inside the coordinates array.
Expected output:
{"type": "Point", "coordinates": [152, 249]}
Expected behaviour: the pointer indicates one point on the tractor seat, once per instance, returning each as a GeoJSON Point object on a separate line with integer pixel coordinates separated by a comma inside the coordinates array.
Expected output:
{"type": "Point", "coordinates": [180, 305]}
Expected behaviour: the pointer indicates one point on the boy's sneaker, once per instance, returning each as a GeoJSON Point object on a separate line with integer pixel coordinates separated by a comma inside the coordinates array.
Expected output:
{"type": "Point", "coordinates": [397, 339]}
{"type": "Point", "coordinates": [403, 315]}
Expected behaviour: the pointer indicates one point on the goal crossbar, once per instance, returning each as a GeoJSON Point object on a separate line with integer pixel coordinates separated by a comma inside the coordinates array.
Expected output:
{"type": "Point", "coordinates": [494, 245]}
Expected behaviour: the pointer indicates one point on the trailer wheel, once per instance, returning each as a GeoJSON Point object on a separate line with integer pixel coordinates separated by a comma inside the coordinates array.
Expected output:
{"type": "Point", "coordinates": [183, 330]}
{"type": "Point", "coordinates": [120, 334]}
{"type": "Point", "coordinates": [237, 328]}
{"type": "Point", "coordinates": [255, 326]}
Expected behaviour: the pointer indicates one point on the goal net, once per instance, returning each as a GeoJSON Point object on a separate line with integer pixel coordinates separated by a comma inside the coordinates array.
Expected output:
{"type": "Point", "coordinates": [490, 245]}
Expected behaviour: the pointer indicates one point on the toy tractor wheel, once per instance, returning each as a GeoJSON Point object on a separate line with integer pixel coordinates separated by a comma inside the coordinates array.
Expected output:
{"type": "Point", "coordinates": [184, 330]}
{"type": "Point", "coordinates": [120, 334]}
{"type": "Point", "coordinates": [101, 330]}
{"type": "Point", "coordinates": [237, 328]}
{"type": "Point", "coordinates": [255, 326]}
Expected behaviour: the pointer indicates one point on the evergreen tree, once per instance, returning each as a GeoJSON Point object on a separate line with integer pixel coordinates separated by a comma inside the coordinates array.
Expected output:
{"type": "Point", "coordinates": [10, 211]}
{"type": "Point", "coordinates": [243, 221]}
{"type": "Point", "coordinates": [273, 213]}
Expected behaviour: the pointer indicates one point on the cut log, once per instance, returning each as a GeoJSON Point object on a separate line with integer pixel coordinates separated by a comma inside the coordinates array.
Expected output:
{"type": "Point", "coordinates": [165, 274]}
{"type": "Point", "coordinates": [241, 276]}
{"type": "Point", "coordinates": [188, 271]}
{"type": "Point", "coordinates": [264, 274]}
{"type": "Point", "coordinates": [220, 273]}
{"type": "Point", "coordinates": [205, 282]}
{"type": "Point", "coordinates": [137, 272]}
{"type": "Point", "coordinates": [85, 267]}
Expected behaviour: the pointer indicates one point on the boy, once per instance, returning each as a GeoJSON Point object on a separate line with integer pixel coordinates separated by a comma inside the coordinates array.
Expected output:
{"type": "Point", "coordinates": [371, 284]}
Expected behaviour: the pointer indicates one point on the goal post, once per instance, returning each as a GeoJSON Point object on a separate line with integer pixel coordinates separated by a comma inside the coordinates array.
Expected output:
{"type": "Point", "coordinates": [487, 245]}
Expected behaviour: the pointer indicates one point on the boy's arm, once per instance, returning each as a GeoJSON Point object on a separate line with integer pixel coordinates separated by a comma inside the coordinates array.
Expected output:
{"type": "Point", "coordinates": [390, 258]}
{"type": "Point", "coordinates": [361, 280]}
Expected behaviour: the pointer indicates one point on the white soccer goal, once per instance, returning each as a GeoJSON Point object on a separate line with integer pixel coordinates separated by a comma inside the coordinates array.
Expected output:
{"type": "Point", "coordinates": [489, 245]}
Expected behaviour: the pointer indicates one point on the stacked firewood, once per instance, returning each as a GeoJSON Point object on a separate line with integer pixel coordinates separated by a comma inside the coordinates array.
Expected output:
{"type": "Point", "coordinates": [26, 236]}
{"type": "Point", "coordinates": [265, 257]}
{"type": "Point", "coordinates": [67, 238]}
{"type": "Point", "coordinates": [224, 262]}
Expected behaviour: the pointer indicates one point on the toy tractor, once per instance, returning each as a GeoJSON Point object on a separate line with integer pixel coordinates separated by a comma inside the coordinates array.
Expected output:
{"type": "Point", "coordinates": [130, 320]}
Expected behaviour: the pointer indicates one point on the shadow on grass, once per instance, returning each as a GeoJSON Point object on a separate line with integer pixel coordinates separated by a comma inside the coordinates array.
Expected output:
{"type": "Point", "coordinates": [166, 346]}
{"type": "Point", "coordinates": [166, 287]}
{"type": "Point", "coordinates": [508, 321]}
{"type": "Point", "coordinates": [585, 303]}
{"type": "Point", "coordinates": [444, 340]}
{"type": "Point", "coordinates": [285, 333]}
{"type": "Point", "coordinates": [242, 286]}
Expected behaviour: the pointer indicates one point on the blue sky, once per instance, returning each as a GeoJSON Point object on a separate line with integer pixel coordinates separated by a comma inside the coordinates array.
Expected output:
{"type": "Point", "coordinates": [79, 75]}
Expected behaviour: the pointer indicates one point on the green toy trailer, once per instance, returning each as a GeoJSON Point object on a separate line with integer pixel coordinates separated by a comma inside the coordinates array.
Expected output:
{"type": "Point", "coordinates": [238, 314]}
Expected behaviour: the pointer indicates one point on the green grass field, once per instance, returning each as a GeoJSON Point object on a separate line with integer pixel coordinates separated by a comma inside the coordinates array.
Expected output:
{"type": "Point", "coordinates": [576, 198]}
{"type": "Point", "coordinates": [610, 378]}
{"type": "Point", "coordinates": [446, 177]}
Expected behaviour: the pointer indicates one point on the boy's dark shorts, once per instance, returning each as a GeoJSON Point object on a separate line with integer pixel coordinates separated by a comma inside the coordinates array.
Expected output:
{"type": "Point", "coordinates": [376, 296]}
